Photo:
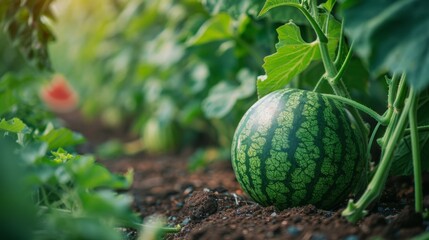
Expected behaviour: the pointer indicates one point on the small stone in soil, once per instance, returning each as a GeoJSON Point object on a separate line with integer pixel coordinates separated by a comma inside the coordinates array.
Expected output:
{"type": "Point", "coordinates": [185, 221]}
{"type": "Point", "coordinates": [293, 230]}
{"type": "Point", "coordinates": [188, 190]}
{"type": "Point", "coordinates": [179, 204]}
{"type": "Point", "coordinates": [352, 237]}
{"type": "Point", "coordinates": [318, 236]}
{"type": "Point", "coordinates": [220, 189]}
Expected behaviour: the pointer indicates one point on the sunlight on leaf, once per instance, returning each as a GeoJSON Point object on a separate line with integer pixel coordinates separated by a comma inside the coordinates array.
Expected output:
{"type": "Point", "coordinates": [14, 125]}
{"type": "Point", "coordinates": [217, 28]}
{"type": "Point", "coordinates": [224, 95]}
{"type": "Point", "coordinates": [294, 55]}
{"type": "Point", "coordinates": [270, 4]}
{"type": "Point", "coordinates": [62, 137]}
{"type": "Point", "coordinates": [236, 8]}
{"type": "Point", "coordinates": [329, 5]}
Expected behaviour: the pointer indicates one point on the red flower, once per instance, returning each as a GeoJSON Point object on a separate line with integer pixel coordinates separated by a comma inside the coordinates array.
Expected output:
{"type": "Point", "coordinates": [59, 96]}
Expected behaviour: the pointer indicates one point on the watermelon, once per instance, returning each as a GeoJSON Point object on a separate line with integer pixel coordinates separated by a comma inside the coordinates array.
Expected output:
{"type": "Point", "coordinates": [295, 147]}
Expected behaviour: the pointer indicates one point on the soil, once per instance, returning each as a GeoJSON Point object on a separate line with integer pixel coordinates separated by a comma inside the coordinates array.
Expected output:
{"type": "Point", "coordinates": [209, 204]}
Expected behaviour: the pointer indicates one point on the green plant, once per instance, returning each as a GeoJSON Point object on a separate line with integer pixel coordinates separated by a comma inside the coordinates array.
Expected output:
{"type": "Point", "coordinates": [404, 120]}
{"type": "Point", "coordinates": [49, 191]}
{"type": "Point", "coordinates": [296, 147]}
{"type": "Point", "coordinates": [54, 193]}
{"type": "Point", "coordinates": [27, 22]}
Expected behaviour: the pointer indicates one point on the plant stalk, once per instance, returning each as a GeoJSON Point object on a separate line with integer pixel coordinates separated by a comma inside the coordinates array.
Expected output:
{"type": "Point", "coordinates": [344, 65]}
{"type": "Point", "coordinates": [424, 128]}
{"type": "Point", "coordinates": [398, 90]}
{"type": "Point", "coordinates": [340, 46]}
{"type": "Point", "coordinates": [363, 108]}
{"type": "Point", "coordinates": [415, 150]}
{"type": "Point", "coordinates": [339, 87]}
{"type": "Point", "coordinates": [356, 211]}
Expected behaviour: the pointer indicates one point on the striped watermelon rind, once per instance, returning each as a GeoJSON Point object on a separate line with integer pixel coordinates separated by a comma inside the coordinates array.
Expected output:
{"type": "Point", "coordinates": [296, 147]}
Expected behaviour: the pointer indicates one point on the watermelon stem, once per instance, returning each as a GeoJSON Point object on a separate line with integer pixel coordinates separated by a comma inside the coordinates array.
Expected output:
{"type": "Point", "coordinates": [355, 211]}
{"type": "Point", "coordinates": [415, 150]}
{"type": "Point", "coordinates": [343, 67]}
{"type": "Point", "coordinates": [393, 88]}
{"type": "Point", "coordinates": [424, 128]}
{"type": "Point", "coordinates": [381, 119]}
{"type": "Point", "coordinates": [335, 81]}
{"type": "Point", "coordinates": [340, 47]}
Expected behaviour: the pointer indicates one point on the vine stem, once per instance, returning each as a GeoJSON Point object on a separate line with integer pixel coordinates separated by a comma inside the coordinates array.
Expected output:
{"type": "Point", "coordinates": [340, 45]}
{"type": "Point", "coordinates": [336, 83]}
{"type": "Point", "coordinates": [356, 211]}
{"type": "Point", "coordinates": [363, 108]}
{"type": "Point", "coordinates": [424, 128]}
{"type": "Point", "coordinates": [344, 65]}
{"type": "Point", "coordinates": [415, 150]}
{"type": "Point", "coordinates": [396, 89]}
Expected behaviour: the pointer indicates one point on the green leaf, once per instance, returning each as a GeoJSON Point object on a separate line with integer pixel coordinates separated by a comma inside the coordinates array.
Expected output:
{"type": "Point", "coordinates": [14, 125]}
{"type": "Point", "coordinates": [107, 203]}
{"type": "Point", "coordinates": [7, 100]}
{"type": "Point", "coordinates": [220, 101]}
{"type": "Point", "coordinates": [224, 95]}
{"type": "Point", "coordinates": [91, 176]}
{"type": "Point", "coordinates": [252, 7]}
{"type": "Point", "coordinates": [33, 151]}
{"type": "Point", "coordinates": [28, 26]}
{"type": "Point", "coordinates": [217, 28]}
{"type": "Point", "coordinates": [402, 159]}
{"type": "Point", "coordinates": [62, 137]}
{"type": "Point", "coordinates": [391, 36]}
{"type": "Point", "coordinates": [270, 4]}
{"type": "Point", "coordinates": [293, 55]}
{"type": "Point", "coordinates": [329, 5]}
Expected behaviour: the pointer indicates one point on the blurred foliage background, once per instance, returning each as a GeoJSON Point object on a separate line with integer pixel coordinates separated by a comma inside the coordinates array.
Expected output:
{"type": "Point", "coordinates": [181, 72]}
{"type": "Point", "coordinates": [175, 73]}
{"type": "Point", "coordinates": [170, 66]}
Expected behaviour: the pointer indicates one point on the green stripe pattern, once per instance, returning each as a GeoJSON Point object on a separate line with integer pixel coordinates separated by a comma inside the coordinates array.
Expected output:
{"type": "Point", "coordinates": [296, 147]}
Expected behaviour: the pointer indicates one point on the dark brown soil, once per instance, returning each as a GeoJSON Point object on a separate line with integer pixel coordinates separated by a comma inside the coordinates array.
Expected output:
{"type": "Point", "coordinates": [209, 204]}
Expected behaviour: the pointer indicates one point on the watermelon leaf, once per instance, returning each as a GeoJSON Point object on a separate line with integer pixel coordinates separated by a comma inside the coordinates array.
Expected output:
{"type": "Point", "coordinates": [224, 95]}
{"type": "Point", "coordinates": [402, 159]}
{"type": "Point", "coordinates": [293, 55]}
{"type": "Point", "coordinates": [270, 4]}
{"type": "Point", "coordinates": [252, 7]}
{"type": "Point", "coordinates": [14, 125]}
{"type": "Point", "coordinates": [216, 28]}
{"type": "Point", "coordinates": [62, 137]}
{"type": "Point", "coordinates": [391, 36]}
{"type": "Point", "coordinates": [329, 5]}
